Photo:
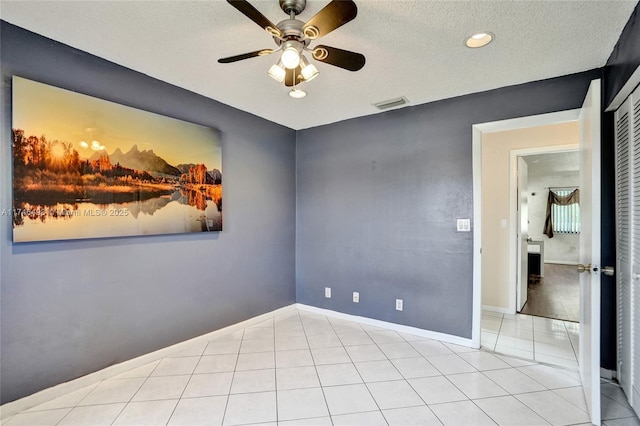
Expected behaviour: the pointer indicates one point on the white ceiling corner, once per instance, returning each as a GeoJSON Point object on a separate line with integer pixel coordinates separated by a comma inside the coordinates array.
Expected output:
{"type": "Point", "coordinates": [413, 48]}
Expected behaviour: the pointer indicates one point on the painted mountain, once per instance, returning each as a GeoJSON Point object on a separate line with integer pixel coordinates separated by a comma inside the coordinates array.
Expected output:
{"type": "Point", "coordinates": [141, 160]}
{"type": "Point", "coordinates": [214, 177]}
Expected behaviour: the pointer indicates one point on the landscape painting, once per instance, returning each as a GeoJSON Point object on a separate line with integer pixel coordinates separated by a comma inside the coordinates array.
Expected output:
{"type": "Point", "coordinates": [87, 168]}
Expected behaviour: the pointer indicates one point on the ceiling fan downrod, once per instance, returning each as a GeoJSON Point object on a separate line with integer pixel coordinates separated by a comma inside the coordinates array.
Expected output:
{"type": "Point", "coordinates": [293, 7]}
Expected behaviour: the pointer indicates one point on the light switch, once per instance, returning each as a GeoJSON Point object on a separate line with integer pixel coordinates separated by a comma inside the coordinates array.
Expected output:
{"type": "Point", "coordinates": [464, 225]}
{"type": "Point", "coordinates": [503, 223]}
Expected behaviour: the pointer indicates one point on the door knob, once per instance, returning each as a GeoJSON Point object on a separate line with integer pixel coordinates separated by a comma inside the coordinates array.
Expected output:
{"type": "Point", "coordinates": [583, 268]}
{"type": "Point", "coordinates": [609, 271]}
{"type": "Point", "coordinates": [636, 276]}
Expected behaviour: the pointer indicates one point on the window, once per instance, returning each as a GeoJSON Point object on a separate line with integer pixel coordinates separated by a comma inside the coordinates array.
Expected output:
{"type": "Point", "coordinates": [566, 219]}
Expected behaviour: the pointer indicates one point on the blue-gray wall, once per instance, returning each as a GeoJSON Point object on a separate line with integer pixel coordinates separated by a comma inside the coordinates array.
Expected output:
{"type": "Point", "coordinates": [378, 199]}
{"type": "Point", "coordinates": [71, 308]}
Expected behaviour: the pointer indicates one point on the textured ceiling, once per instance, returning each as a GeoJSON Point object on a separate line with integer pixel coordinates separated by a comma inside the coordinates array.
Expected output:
{"type": "Point", "coordinates": [557, 162]}
{"type": "Point", "coordinates": [413, 48]}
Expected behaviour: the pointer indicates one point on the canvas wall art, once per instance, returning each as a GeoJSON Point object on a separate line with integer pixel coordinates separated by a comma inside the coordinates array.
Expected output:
{"type": "Point", "coordinates": [88, 168]}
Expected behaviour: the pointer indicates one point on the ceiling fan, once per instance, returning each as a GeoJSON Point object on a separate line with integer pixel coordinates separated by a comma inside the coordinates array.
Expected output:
{"type": "Point", "coordinates": [293, 38]}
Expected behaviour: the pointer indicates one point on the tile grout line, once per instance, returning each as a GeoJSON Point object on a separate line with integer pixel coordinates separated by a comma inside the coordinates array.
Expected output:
{"type": "Point", "coordinates": [404, 378]}
{"type": "Point", "coordinates": [434, 366]}
{"type": "Point", "coordinates": [185, 388]}
{"type": "Point", "coordinates": [499, 332]}
{"type": "Point", "coordinates": [570, 341]}
{"type": "Point", "coordinates": [358, 371]}
{"type": "Point", "coordinates": [533, 334]}
{"type": "Point", "coordinates": [136, 392]}
{"type": "Point", "coordinates": [70, 408]}
{"type": "Point", "coordinates": [275, 365]}
{"type": "Point", "coordinates": [226, 405]}
{"type": "Point", "coordinates": [471, 400]}
{"type": "Point", "coordinates": [315, 366]}
{"type": "Point", "coordinates": [275, 368]}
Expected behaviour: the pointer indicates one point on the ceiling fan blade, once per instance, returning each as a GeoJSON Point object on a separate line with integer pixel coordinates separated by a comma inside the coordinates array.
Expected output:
{"type": "Point", "coordinates": [254, 14]}
{"type": "Point", "coordinates": [236, 58]}
{"type": "Point", "coordinates": [293, 77]}
{"type": "Point", "coordinates": [351, 61]}
{"type": "Point", "coordinates": [332, 16]}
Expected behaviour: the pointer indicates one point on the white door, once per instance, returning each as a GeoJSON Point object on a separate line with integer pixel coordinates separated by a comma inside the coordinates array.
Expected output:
{"type": "Point", "coordinates": [589, 127]}
{"type": "Point", "coordinates": [523, 233]}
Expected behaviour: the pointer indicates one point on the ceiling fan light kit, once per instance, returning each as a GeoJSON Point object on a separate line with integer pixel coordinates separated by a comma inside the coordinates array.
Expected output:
{"type": "Point", "coordinates": [277, 72]}
{"type": "Point", "coordinates": [293, 38]}
{"type": "Point", "coordinates": [307, 69]}
{"type": "Point", "coordinates": [297, 93]}
{"type": "Point", "coordinates": [291, 54]}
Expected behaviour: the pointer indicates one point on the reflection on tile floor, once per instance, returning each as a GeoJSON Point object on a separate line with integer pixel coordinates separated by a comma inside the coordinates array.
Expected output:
{"type": "Point", "coordinates": [557, 295]}
{"type": "Point", "coordinates": [541, 339]}
{"type": "Point", "coordinates": [300, 368]}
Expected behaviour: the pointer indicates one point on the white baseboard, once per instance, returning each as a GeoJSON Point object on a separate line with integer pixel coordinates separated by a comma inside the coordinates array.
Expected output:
{"type": "Point", "coordinates": [449, 338]}
{"type": "Point", "coordinates": [30, 401]}
{"type": "Point", "coordinates": [497, 309]}
{"type": "Point", "coordinates": [561, 262]}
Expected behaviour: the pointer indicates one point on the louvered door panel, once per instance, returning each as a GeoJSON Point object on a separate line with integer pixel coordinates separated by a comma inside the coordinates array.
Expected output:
{"type": "Point", "coordinates": [623, 248]}
{"type": "Point", "coordinates": [635, 256]}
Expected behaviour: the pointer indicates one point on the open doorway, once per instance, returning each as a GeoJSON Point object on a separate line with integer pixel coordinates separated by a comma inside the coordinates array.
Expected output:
{"type": "Point", "coordinates": [484, 232]}
{"type": "Point", "coordinates": [553, 235]}
{"type": "Point", "coordinates": [518, 207]}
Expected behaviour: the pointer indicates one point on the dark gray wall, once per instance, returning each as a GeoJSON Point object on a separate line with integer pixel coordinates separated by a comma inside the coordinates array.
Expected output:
{"type": "Point", "coordinates": [70, 308]}
{"type": "Point", "coordinates": [378, 199]}
{"type": "Point", "coordinates": [608, 300]}
{"type": "Point", "coordinates": [624, 59]}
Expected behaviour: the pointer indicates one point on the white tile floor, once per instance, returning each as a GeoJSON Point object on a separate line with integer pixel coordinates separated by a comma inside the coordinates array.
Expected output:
{"type": "Point", "coordinates": [542, 339]}
{"type": "Point", "coordinates": [306, 369]}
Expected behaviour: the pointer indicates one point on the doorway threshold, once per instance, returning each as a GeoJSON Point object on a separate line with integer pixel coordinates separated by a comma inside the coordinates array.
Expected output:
{"type": "Point", "coordinates": [545, 340]}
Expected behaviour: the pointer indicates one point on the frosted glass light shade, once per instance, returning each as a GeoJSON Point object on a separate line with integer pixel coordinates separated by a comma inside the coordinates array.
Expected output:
{"type": "Point", "coordinates": [290, 57]}
{"type": "Point", "coordinates": [277, 72]}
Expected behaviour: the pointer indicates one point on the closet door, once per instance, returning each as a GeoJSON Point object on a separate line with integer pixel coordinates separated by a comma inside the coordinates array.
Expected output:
{"type": "Point", "coordinates": [628, 245]}
{"type": "Point", "coordinates": [635, 263]}
{"type": "Point", "coordinates": [623, 246]}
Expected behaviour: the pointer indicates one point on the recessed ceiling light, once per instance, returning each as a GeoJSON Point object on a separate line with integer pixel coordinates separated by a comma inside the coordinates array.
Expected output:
{"type": "Point", "coordinates": [297, 93]}
{"type": "Point", "coordinates": [479, 39]}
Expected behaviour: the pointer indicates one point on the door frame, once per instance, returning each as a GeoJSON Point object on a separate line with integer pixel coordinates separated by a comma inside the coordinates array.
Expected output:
{"type": "Point", "coordinates": [513, 208]}
{"type": "Point", "coordinates": [477, 132]}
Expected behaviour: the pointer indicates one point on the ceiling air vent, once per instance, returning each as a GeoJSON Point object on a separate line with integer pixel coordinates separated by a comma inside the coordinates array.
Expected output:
{"type": "Point", "coordinates": [391, 103]}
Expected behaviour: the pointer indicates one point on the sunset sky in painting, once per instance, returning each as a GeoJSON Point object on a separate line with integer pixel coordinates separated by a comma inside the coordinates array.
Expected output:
{"type": "Point", "coordinates": [67, 116]}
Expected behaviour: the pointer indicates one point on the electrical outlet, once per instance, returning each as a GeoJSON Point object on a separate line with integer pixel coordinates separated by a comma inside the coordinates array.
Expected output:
{"type": "Point", "coordinates": [327, 292]}
{"type": "Point", "coordinates": [356, 297]}
{"type": "Point", "coordinates": [399, 305]}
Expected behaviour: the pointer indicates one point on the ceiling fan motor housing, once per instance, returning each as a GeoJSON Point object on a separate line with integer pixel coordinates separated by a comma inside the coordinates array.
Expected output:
{"type": "Point", "coordinates": [295, 6]}
{"type": "Point", "coordinates": [291, 30]}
